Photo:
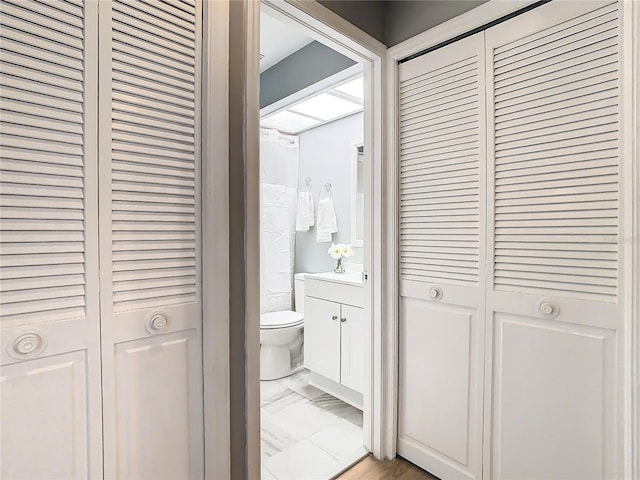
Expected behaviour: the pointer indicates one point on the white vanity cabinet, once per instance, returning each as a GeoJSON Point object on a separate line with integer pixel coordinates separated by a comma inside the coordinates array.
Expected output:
{"type": "Point", "coordinates": [333, 334]}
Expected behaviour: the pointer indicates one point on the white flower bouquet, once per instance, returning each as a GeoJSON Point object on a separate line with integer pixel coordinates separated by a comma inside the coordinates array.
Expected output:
{"type": "Point", "coordinates": [339, 251]}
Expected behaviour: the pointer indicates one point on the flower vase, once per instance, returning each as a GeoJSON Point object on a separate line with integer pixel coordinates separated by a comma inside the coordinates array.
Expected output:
{"type": "Point", "coordinates": [339, 266]}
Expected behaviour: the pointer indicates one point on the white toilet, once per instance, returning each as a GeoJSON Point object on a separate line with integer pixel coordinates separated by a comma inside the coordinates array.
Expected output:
{"type": "Point", "coordinates": [281, 337]}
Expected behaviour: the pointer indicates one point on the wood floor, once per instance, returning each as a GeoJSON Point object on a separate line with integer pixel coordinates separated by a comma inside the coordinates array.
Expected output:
{"type": "Point", "coordinates": [373, 469]}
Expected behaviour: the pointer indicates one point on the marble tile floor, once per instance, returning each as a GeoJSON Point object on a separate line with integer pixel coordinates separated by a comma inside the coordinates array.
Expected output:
{"type": "Point", "coordinates": [306, 433]}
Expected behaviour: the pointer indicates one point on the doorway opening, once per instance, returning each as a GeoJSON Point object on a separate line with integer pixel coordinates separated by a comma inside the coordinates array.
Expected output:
{"type": "Point", "coordinates": [318, 162]}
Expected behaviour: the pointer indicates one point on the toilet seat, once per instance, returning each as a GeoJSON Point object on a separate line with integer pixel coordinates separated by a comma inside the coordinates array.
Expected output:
{"type": "Point", "coordinates": [286, 318]}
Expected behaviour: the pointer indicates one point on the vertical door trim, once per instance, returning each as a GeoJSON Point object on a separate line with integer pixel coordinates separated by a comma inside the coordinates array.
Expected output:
{"type": "Point", "coordinates": [630, 120]}
{"type": "Point", "coordinates": [215, 239]}
{"type": "Point", "coordinates": [340, 35]}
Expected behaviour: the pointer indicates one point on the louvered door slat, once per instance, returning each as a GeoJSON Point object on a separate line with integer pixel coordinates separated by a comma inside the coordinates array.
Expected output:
{"type": "Point", "coordinates": [56, 22]}
{"type": "Point", "coordinates": [65, 6]}
{"type": "Point", "coordinates": [37, 94]}
{"type": "Point", "coordinates": [180, 18]}
{"type": "Point", "coordinates": [439, 165]}
{"type": "Point", "coordinates": [556, 178]}
{"type": "Point", "coordinates": [47, 138]}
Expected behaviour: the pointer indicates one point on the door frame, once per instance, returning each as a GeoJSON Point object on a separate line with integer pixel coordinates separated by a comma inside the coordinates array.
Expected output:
{"type": "Point", "coordinates": [332, 30]}
{"type": "Point", "coordinates": [336, 33]}
{"type": "Point", "coordinates": [630, 118]}
{"type": "Point", "coordinates": [215, 239]}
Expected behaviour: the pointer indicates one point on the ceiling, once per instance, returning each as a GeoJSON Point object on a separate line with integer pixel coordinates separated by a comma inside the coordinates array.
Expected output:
{"type": "Point", "coordinates": [278, 39]}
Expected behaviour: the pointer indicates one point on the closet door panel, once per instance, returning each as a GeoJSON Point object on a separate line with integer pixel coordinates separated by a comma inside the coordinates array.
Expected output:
{"type": "Point", "coordinates": [46, 417]}
{"type": "Point", "coordinates": [554, 251]}
{"type": "Point", "coordinates": [148, 369]}
{"type": "Point", "coordinates": [441, 259]}
{"type": "Point", "coordinates": [150, 239]}
{"type": "Point", "coordinates": [553, 399]}
{"type": "Point", "coordinates": [436, 334]}
{"type": "Point", "coordinates": [49, 317]}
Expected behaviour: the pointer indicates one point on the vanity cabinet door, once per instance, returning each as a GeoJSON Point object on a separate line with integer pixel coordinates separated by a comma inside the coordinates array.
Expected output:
{"type": "Point", "coordinates": [322, 337]}
{"type": "Point", "coordinates": [352, 347]}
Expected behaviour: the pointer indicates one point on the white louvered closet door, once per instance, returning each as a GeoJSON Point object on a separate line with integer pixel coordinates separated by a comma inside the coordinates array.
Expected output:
{"type": "Point", "coordinates": [150, 238]}
{"type": "Point", "coordinates": [50, 352]}
{"type": "Point", "coordinates": [442, 215]}
{"type": "Point", "coordinates": [553, 402]}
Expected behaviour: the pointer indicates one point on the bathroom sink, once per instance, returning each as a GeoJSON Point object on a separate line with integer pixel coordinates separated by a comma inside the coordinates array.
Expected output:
{"type": "Point", "coordinates": [349, 278]}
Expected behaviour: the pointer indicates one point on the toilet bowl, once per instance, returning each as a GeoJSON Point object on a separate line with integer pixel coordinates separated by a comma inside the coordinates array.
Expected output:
{"type": "Point", "coordinates": [281, 337]}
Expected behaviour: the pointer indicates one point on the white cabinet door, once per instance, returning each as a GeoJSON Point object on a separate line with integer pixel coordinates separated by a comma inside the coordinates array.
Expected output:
{"type": "Point", "coordinates": [442, 218]}
{"type": "Point", "coordinates": [352, 348]}
{"type": "Point", "coordinates": [50, 349]}
{"type": "Point", "coordinates": [150, 238]}
{"type": "Point", "coordinates": [322, 337]}
{"type": "Point", "coordinates": [553, 393]}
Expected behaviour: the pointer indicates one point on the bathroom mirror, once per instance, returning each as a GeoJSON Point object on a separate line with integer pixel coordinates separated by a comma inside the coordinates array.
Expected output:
{"type": "Point", "coordinates": [357, 194]}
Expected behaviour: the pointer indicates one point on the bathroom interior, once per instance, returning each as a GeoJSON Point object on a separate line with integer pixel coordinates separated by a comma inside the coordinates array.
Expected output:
{"type": "Point", "coordinates": [312, 198]}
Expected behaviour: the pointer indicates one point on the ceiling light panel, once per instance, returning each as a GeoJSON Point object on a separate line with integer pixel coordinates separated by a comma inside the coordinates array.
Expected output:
{"type": "Point", "coordinates": [326, 107]}
{"type": "Point", "coordinates": [354, 88]}
{"type": "Point", "coordinates": [289, 122]}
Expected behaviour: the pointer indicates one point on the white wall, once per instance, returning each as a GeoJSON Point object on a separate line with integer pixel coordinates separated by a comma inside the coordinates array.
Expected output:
{"type": "Point", "coordinates": [325, 156]}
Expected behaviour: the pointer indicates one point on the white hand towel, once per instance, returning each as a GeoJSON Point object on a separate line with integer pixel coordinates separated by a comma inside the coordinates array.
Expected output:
{"type": "Point", "coordinates": [327, 222]}
{"type": "Point", "coordinates": [311, 209]}
{"type": "Point", "coordinates": [304, 212]}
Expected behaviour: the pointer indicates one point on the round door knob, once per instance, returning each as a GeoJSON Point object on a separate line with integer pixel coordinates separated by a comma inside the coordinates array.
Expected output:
{"type": "Point", "coordinates": [27, 345]}
{"type": "Point", "coordinates": [157, 323]}
{"type": "Point", "coordinates": [343, 319]}
{"type": "Point", "coordinates": [547, 309]}
{"type": "Point", "coordinates": [334, 317]}
{"type": "Point", "coordinates": [435, 293]}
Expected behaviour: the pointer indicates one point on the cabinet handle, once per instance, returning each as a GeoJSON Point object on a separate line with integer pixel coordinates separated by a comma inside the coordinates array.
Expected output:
{"type": "Point", "coordinates": [343, 319]}
{"type": "Point", "coordinates": [334, 317]}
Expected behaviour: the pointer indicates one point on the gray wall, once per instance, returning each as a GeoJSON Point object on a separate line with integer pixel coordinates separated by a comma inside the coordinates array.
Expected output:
{"type": "Point", "coordinates": [367, 15]}
{"type": "Point", "coordinates": [309, 65]}
{"type": "Point", "coordinates": [406, 18]}
{"type": "Point", "coordinates": [393, 21]}
{"type": "Point", "coordinates": [325, 156]}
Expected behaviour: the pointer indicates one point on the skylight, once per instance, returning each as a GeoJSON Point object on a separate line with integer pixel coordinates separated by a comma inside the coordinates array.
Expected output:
{"type": "Point", "coordinates": [354, 88]}
{"type": "Point", "coordinates": [333, 103]}
{"type": "Point", "coordinates": [289, 122]}
{"type": "Point", "coordinates": [326, 107]}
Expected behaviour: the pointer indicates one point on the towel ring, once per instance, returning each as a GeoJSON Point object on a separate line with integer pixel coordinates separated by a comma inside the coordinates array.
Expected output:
{"type": "Point", "coordinates": [327, 189]}
{"type": "Point", "coordinates": [307, 181]}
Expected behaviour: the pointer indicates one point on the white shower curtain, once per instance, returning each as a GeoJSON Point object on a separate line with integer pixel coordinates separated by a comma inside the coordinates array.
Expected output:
{"type": "Point", "coordinates": [278, 182]}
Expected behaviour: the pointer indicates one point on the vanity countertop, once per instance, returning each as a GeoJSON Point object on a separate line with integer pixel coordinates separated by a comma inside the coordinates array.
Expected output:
{"type": "Point", "coordinates": [348, 278]}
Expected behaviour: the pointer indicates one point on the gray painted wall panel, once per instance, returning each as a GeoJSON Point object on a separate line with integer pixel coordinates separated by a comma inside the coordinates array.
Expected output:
{"type": "Point", "coordinates": [407, 18]}
{"type": "Point", "coordinates": [393, 21]}
{"type": "Point", "coordinates": [309, 65]}
{"type": "Point", "coordinates": [325, 156]}
{"type": "Point", "coordinates": [367, 15]}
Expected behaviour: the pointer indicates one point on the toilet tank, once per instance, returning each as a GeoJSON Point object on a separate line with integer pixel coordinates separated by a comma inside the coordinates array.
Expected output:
{"type": "Point", "coordinates": [298, 289]}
